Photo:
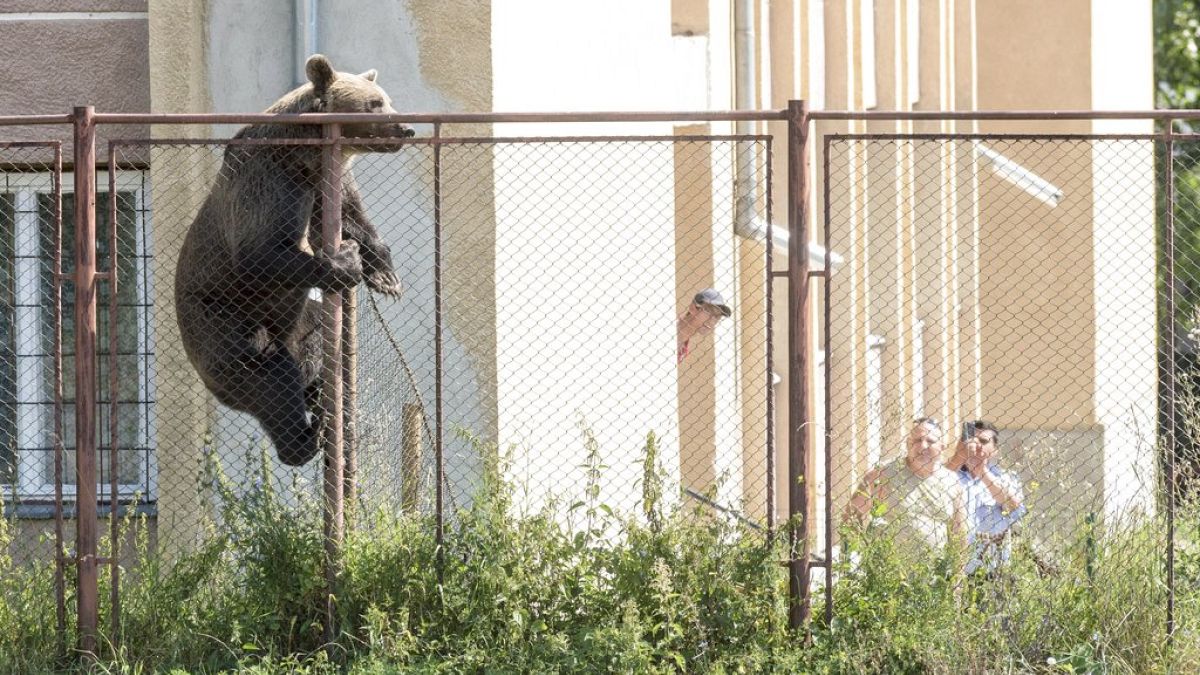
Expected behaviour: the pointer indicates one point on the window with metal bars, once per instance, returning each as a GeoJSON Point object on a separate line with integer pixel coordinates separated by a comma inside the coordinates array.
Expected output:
{"type": "Point", "coordinates": [27, 339]}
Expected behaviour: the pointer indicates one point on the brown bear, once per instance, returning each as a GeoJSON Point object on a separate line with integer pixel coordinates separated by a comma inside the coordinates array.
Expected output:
{"type": "Point", "coordinates": [247, 263]}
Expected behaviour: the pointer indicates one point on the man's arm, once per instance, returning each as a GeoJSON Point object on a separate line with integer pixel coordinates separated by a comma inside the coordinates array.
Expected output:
{"type": "Point", "coordinates": [958, 521]}
{"type": "Point", "coordinates": [958, 458]}
{"type": "Point", "coordinates": [1007, 493]}
{"type": "Point", "coordinates": [867, 492]}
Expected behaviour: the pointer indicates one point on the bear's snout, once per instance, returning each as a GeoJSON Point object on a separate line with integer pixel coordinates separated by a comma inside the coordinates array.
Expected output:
{"type": "Point", "coordinates": [396, 130]}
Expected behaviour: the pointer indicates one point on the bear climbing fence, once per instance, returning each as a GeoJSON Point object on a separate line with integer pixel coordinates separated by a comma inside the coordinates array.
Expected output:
{"type": "Point", "coordinates": [1036, 285]}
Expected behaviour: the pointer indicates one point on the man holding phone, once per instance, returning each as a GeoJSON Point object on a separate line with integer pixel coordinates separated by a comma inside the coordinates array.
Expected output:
{"type": "Point", "coordinates": [993, 496]}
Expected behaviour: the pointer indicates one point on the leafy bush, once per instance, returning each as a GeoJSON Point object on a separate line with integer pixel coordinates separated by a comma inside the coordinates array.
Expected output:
{"type": "Point", "coordinates": [581, 588]}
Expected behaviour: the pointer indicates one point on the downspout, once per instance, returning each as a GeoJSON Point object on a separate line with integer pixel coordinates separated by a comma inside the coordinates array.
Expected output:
{"type": "Point", "coordinates": [304, 36]}
{"type": "Point", "coordinates": [745, 95]}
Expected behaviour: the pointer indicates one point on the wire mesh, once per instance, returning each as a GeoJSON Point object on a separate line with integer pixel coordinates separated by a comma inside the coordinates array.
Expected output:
{"type": "Point", "coordinates": [1041, 289]}
{"type": "Point", "coordinates": [566, 267]}
{"type": "Point", "coordinates": [28, 221]}
{"type": "Point", "coordinates": [994, 358]}
{"type": "Point", "coordinates": [33, 459]}
{"type": "Point", "coordinates": [1179, 279]}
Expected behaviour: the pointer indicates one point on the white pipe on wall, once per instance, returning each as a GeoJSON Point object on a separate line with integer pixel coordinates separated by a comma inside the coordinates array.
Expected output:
{"type": "Point", "coordinates": [304, 40]}
{"type": "Point", "coordinates": [743, 59]}
{"type": "Point", "coordinates": [1008, 170]}
{"type": "Point", "coordinates": [745, 95]}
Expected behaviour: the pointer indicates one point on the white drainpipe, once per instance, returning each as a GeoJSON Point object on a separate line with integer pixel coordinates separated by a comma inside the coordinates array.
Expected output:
{"type": "Point", "coordinates": [1008, 170]}
{"type": "Point", "coordinates": [745, 94]}
{"type": "Point", "coordinates": [304, 42]}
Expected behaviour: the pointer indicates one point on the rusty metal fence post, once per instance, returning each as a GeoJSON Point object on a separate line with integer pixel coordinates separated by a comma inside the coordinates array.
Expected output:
{"type": "Point", "coordinates": [798, 364]}
{"type": "Point", "coordinates": [438, 449]}
{"type": "Point", "coordinates": [1168, 373]}
{"type": "Point", "coordinates": [85, 374]}
{"type": "Point", "coordinates": [331, 238]}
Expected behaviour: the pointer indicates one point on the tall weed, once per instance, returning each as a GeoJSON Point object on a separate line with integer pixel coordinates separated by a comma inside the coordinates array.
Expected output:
{"type": "Point", "coordinates": [582, 588]}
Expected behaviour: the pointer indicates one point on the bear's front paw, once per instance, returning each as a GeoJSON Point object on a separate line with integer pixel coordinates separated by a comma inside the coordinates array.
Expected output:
{"type": "Point", "coordinates": [346, 265]}
{"type": "Point", "coordinates": [385, 282]}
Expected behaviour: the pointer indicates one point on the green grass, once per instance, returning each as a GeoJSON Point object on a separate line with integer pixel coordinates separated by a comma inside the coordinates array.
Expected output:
{"type": "Point", "coordinates": [665, 591]}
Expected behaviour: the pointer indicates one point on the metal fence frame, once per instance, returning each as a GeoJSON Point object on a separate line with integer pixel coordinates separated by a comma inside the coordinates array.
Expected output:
{"type": "Point", "coordinates": [802, 147]}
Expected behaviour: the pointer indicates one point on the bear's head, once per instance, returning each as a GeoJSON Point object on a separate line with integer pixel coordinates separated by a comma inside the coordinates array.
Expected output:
{"type": "Point", "coordinates": [337, 92]}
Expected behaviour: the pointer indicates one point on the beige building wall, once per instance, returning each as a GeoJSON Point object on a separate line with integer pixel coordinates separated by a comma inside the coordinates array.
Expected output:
{"type": "Point", "coordinates": [965, 278]}
{"type": "Point", "coordinates": [732, 417]}
{"type": "Point", "coordinates": [178, 83]}
{"type": "Point", "coordinates": [1069, 331]}
{"type": "Point", "coordinates": [694, 270]}
{"type": "Point", "coordinates": [856, 432]}
{"type": "Point", "coordinates": [904, 303]}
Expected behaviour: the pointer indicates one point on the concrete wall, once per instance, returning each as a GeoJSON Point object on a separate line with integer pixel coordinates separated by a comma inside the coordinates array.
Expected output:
{"type": "Point", "coordinates": [586, 325]}
{"type": "Point", "coordinates": [62, 53]}
{"type": "Point", "coordinates": [215, 56]}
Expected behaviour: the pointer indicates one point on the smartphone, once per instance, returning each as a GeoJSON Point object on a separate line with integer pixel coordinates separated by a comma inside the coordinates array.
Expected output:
{"type": "Point", "coordinates": [968, 431]}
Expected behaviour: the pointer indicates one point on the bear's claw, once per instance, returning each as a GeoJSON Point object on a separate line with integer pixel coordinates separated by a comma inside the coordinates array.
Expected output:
{"type": "Point", "coordinates": [385, 282]}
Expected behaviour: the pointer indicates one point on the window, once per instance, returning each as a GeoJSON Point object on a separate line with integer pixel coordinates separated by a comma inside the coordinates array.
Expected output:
{"type": "Point", "coordinates": [8, 343]}
{"type": "Point", "coordinates": [27, 337]}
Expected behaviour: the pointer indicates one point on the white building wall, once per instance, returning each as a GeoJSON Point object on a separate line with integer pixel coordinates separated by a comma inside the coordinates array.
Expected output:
{"type": "Point", "coordinates": [585, 289]}
{"type": "Point", "coordinates": [1123, 213]}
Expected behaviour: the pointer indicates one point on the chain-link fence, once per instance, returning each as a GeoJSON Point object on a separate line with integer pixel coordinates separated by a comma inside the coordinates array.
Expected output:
{"type": "Point", "coordinates": [541, 310]}
{"type": "Point", "coordinates": [35, 468]}
{"type": "Point", "coordinates": [999, 366]}
{"type": "Point", "coordinates": [531, 310]}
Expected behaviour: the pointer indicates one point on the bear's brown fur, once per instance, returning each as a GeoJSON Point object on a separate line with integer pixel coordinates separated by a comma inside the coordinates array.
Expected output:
{"type": "Point", "coordinates": [247, 263]}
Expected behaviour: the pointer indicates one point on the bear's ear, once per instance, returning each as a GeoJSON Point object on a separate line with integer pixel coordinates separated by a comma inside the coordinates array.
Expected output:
{"type": "Point", "coordinates": [370, 75]}
{"type": "Point", "coordinates": [319, 72]}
